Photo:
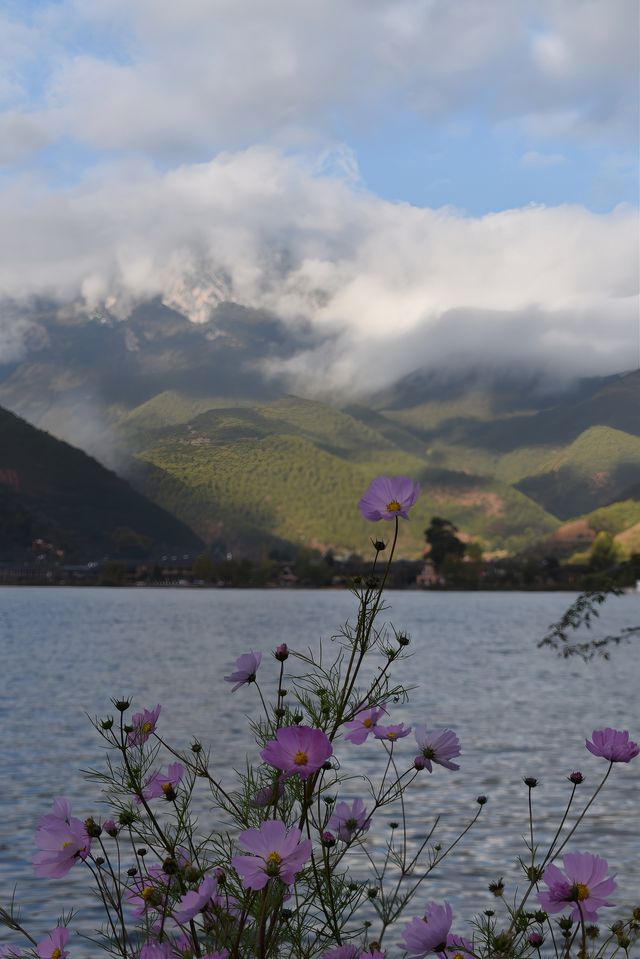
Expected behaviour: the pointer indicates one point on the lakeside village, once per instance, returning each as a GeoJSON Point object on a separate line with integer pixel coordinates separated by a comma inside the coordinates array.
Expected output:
{"type": "Point", "coordinates": [448, 562]}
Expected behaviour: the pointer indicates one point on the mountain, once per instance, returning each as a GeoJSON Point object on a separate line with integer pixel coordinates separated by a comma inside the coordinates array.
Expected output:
{"type": "Point", "coordinates": [188, 415]}
{"type": "Point", "coordinates": [52, 492]}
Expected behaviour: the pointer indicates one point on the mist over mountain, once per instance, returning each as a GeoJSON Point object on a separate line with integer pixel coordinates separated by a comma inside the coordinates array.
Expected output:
{"type": "Point", "coordinates": [201, 418]}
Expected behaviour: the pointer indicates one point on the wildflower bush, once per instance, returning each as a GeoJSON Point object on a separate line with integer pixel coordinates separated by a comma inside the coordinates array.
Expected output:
{"type": "Point", "coordinates": [277, 869]}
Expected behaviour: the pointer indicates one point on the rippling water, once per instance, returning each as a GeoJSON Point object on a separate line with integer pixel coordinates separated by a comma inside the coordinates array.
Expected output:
{"type": "Point", "coordinates": [518, 711]}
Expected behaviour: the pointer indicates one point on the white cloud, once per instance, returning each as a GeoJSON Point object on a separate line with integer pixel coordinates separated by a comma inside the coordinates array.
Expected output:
{"type": "Point", "coordinates": [391, 286]}
{"type": "Point", "coordinates": [188, 79]}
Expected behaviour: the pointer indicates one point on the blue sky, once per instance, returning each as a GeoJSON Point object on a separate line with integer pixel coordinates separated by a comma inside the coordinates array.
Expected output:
{"type": "Point", "coordinates": [417, 122]}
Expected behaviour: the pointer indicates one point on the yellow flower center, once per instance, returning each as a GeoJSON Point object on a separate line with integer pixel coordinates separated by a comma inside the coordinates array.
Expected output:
{"type": "Point", "coordinates": [582, 891]}
{"type": "Point", "coordinates": [300, 758]}
{"type": "Point", "coordinates": [148, 893]}
{"type": "Point", "coordinates": [67, 843]}
{"type": "Point", "coordinates": [394, 506]}
{"type": "Point", "coordinates": [147, 727]}
{"type": "Point", "coordinates": [367, 723]}
{"type": "Point", "coordinates": [167, 788]}
{"type": "Point", "coordinates": [392, 735]}
{"type": "Point", "coordinates": [56, 953]}
{"type": "Point", "coordinates": [275, 858]}
{"type": "Point", "coordinates": [457, 955]}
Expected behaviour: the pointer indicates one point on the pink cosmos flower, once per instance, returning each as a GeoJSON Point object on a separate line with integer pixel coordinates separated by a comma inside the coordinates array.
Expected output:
{"type": "Point", "coordinates": [246, 669]}
{"type": "Point", "coordinates": [342, 952]}
{"type": "Point", "coordinates": [63, 840]}
{"type": "Point", "coordinates": [584, 885]}
{"type": "Point", "coordinates": [159, 785]}
{"type": "Point", "coordinates": [53, 945]}
{"type": "Point", "coordinates": [438, 746]}
{"type": "Point", "coordinates": [347, 820]}
{"type": "Point", "coordinates": [144, 724]}
{"type": "Point", "coordinates": [194, 901]}
{"type": "Point", "coordinates": [298, 749]}
{"type": "Point", "coordinates": [279, 853]}
{"type": "Point", "coordinates": [613, 745]}
{"type": "Point", "coordinates": [363, 724]}
{"type": "Point", "coordinates": [389, 496]}
{"type": "Point", "coordinates": [422, 936]}
{"type": "Point", "coordinates": [392, 733]}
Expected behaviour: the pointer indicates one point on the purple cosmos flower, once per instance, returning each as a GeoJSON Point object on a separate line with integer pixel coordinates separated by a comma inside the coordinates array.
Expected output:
{"type": "Point", "coordinates": [144, 724]}
{"type": "Point", "coordinates": [157, 950]}
{"type": "Point", "coordinates": [389, 496]}
{"type": "Point", "coordinates": [347, 820]}
{"type": "Point", "coordinates": [159, 785]}
{"type": "Point", "coordinates": [392, 733]}
{"type": "Point", "coordinates": [194, 901]}
{"type": "Point", "coordinates": [613, 745]}
{"type": "Point", "coordinates": [63, 840]}
{"type": "Point", "coordinates": [149, 891]}
{"type": "Point", "coordinates": [246, 669]}
{"type": "Point", "coordinates": [584, 885]}
{"type": "Point", "coordinates": [52, 946]}
{"type": "Point", "coordinates": [463, 948]}
{"type": "Point", "coordinates": [422, 936]}
{"type": "Point", "coordinates": [376, 954]}
{"type": "Point", "coordinates": [342, 952]}
{"type": "Point", "coordinates": [281, 652]}
{"type": "Point", "coordinates": [268, 795]}
{"type": "Point", "coordinates": [280, 853]}
{"type": "Point", "coordinates": [364, 723]}
{"type": "Point", "coordinates": [438, 746]}
{"type": "Point", "coordinates": [298, 749]}
{"type": "Point", "coordinates": [110, 828]}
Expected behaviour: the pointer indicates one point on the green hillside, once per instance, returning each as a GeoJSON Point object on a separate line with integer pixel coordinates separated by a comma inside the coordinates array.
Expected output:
{"type": "Point", "coordinates": [595, 469]}
{"type": "Point", "coordinates": [295, 469]}
{"type": "Point", "coordinates": [54, 492]}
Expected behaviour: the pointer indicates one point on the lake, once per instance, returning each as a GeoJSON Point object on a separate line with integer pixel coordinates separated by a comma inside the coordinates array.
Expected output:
{"type": "Point", "coordinates": [519, 711]}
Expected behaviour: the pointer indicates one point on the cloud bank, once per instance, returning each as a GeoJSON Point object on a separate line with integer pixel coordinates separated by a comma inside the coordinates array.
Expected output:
{"type": "Point", "coordinates": [389, 287]}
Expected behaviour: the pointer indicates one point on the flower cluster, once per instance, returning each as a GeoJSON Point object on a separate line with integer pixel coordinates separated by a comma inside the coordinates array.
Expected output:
{"type": "Point", "coordinates": [278, 871]}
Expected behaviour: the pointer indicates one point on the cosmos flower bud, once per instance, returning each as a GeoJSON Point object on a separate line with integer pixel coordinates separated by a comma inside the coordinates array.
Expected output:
{"type": "Point", "coordinates": [530, 781]}
{"type": "Point", "coordinates": [110, 828]}
{"type": "Point", "coordinates": [196, 748]}
{"type": "Point", "coordinates": [121, 704]}
{"type": "Point", "coordinates": [565, 923]}
{"type": "Point", "coordinates": [281, 652]}
{"type": "Point", "coordinates": [372, 892]}
{"type": "Point", "coordinates": [592, 931]}
{"type": "Point", "coordinates": [535, 939]}
{"type": "Point", "coordinates": [481, 800]}
{"type": "Point", "coordinates": [378, 545]}
{"type": "Point", "coordinates": [106, 723]}
{"type": "Point", "coordinates": [170, 866]}
{"type": "Point", "coordinates": [403, 639]}
{"type": "Point", "coordinates": [576, 777]}
{"type": "Point", "coordinates": [497, 888]}
{"type": "Point", "coordinates": [92, 827]}
{"type": "Point", "coordinates": [419, 763]}
{"type": "Point", "coordinates": [132, 871]}
{"type": "Point", "coordinates": [142, 852]}
{"type": "Point", "coordinates": [99, 861]}
{"type": "Point", "coordinates": [328, 839]}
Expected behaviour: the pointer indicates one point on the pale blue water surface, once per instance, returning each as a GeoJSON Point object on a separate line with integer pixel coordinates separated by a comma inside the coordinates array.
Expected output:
{"type": "Point", "coordinates": [519, 711]}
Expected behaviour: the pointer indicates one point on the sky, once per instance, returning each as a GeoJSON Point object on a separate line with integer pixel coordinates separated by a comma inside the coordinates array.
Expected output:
{"type": "Point", "coordinates": [421, 181]}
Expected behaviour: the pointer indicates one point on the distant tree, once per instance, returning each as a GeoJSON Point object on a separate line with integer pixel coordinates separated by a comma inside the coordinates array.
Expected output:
{"type": "Point", "coordinates": [605, 553]}
{"type": "Point", "coordinates": [203, 568]}
{"type": "Point", "coordinates": [441, 537]}
{"type": "Point", "coordinates": [113, 574]}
